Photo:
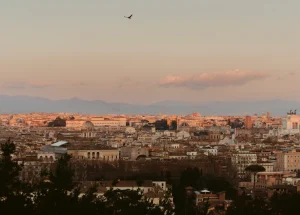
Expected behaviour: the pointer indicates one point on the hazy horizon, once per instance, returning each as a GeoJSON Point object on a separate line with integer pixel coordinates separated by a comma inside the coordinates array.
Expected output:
{"type": "Point", "coordinates": [170, 50]}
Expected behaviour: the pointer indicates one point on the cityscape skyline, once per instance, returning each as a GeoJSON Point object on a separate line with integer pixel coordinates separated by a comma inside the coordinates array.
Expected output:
{"type": "Point", "coordinates": [167, 51]}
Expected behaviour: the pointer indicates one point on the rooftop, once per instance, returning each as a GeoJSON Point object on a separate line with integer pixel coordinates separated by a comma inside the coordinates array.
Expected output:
{"type": "Point", "coordinates": [59, 143]}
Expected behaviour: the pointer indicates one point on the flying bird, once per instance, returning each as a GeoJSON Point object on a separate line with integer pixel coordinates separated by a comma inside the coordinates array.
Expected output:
{"type": "Point", "coordinates": [129, 17]}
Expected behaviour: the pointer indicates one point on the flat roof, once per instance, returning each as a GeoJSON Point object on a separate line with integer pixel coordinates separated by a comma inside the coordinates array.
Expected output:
{"type": "Point", "coordinates": [59, 143]}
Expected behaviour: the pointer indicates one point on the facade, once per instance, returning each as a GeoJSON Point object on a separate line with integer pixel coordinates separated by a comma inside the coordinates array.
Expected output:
{"type": "Point", "coordinates": [74, 123]}
{"type": "Point", "coordinates": [240, 160]}
{"type": "Point", "coordinates": [95, 153]}
{"type": "Point", "coordinates": [103, 122]}
{"type": "Point", "coordinates": [248, 122]}
{"type": "Point", "coordinates": [161, 184]}
{"type": "Point", "coordinates": [291, 122]}
{"type": "Point", "coordinates": [32, 167]}
{"type": "Point", "coordinates": [269, 166]}
{"type": "Point", "coordinates": [208, 150]}
{"type": "Point", "coordinates": [288, 161]}
{"type": "Point", "coordinates": [178, 156]}
{"type": "Point", "coordinates": [133, 153]}
{"type": "Point", "coordinates": [192, 155]}
{"type": "Point", "coordinates": [51, 153]}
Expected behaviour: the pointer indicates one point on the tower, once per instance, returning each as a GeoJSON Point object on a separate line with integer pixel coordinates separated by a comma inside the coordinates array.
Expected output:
{"type": "Point", "coordinates": [248, 122]}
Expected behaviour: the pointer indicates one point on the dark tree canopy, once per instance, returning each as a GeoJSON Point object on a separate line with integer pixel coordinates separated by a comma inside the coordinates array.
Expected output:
{"type": "Point", "coordinates": [58, 122]}
{"type": "Point", "coordinates": [174, 125]}
{"type": "Point", "coordinates": [255, 168]}
{"type": "Point", "coordinates": [161, 124]}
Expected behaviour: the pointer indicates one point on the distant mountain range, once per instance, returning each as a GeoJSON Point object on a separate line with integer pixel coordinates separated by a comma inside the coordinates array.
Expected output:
{"type": "Point", "coordinates": [27, 104]}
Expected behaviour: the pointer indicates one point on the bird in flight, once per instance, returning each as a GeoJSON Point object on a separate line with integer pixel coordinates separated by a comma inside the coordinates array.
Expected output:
{"type": "Point", "coordinates": [129, 17]}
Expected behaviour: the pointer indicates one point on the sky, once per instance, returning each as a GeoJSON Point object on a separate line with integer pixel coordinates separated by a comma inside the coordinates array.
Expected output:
{"type": "Point", "coordinates": [193, 51]}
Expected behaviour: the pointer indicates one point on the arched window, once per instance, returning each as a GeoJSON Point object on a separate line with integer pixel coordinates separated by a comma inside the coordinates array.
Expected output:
{"type": "Point", "coordinates": [98, 155]}
{"type": "Point", "coordinates": [89, 155]}
{"type": "Point", "coordinates": [93, 155]}
{"type": "Point", "coordinates": [41, 157]}
{"type": "Point", "coordinates": [51, 158]}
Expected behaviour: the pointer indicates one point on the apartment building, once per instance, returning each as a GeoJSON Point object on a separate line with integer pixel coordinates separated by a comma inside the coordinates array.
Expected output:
{"type": "Point", "coordinates": [288, 161]}
{"type": "Point", "coordinates": [240, 160]}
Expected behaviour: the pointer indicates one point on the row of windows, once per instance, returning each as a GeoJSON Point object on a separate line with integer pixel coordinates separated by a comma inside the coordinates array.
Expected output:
{"type": "Point", "coordinates": [47, 158]}
{"type": "Point", "coordinates": [96, 155]}
{"type": "Point", "coordinates": [291, 156]}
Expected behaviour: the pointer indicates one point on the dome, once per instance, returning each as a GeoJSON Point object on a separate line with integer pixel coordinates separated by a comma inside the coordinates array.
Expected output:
{"type": "Point", "coordinates": [88, 125]}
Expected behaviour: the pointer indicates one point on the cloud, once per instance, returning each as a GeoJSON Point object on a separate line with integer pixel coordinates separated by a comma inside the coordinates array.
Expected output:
{"type": "Point", "coordinates": [208, 80]}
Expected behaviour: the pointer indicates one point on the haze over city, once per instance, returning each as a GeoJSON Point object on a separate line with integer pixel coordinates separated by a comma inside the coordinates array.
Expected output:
{"type": "Point", "coordinates": [170, 50]}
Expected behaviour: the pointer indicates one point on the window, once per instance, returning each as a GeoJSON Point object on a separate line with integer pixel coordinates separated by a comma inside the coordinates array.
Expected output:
{"type": "Point", "coordinates": [89, 155]}
{"type": "Point", "coordinates": [98, 155]}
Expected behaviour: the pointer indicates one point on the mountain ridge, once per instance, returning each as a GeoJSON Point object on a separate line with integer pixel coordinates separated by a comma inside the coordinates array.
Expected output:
{"type": "Point", "coordinates": [28, 104]}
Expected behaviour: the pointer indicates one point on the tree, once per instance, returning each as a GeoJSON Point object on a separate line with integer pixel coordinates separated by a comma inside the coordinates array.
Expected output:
{"type": "Point", "coordinates": [254, 169]}
{"type": "Point", "coordinates": [63, 175]}
{"type": "Point", "coordinates": [14, 195]}
{"type": "Point", "coordinates": [242, 206]}
{"type": "Point", "coordinates": [58, 122]}
{"type": "Point", "coordinates": [58, 193]}
{"type": "Point", "coordinates": [161, 125]}
{"type": "Point", "coordinates": [9, 170]}
{"type": "Point", "coordinates": [123, 202]}
{"type": "Point", "coordinates": [174, 125]}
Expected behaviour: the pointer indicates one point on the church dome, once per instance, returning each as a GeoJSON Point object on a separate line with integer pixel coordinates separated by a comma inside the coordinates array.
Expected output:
{"type": "Point", "coordinates": [88, 125]}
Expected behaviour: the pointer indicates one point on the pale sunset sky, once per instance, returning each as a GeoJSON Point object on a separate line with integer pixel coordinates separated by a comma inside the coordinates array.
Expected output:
{"type": "Point", "coordinates": [183, 50]}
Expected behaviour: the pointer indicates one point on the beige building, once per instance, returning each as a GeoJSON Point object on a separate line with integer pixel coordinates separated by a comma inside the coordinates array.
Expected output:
{"type": "Point", "coordinates": [75, 123]}
{"type": "Point", "coordinates": [291, 122]}
{"type": "Point", "coordinates": [94, 153]}
{"type": "Point", "coordinates": [114, 122]}
{"type": "Point", "coordinates": [240, 160]}
{"type": "Point", "coordinates": [288, 161]}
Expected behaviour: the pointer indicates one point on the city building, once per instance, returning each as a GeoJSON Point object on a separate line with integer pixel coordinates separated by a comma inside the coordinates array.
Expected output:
{"type": "Point", "coordinates": [248, 122]}
{"type": "Point", "coordinates": [240, 160]}
{"type": "Point", "coordinates": [288, 161]}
